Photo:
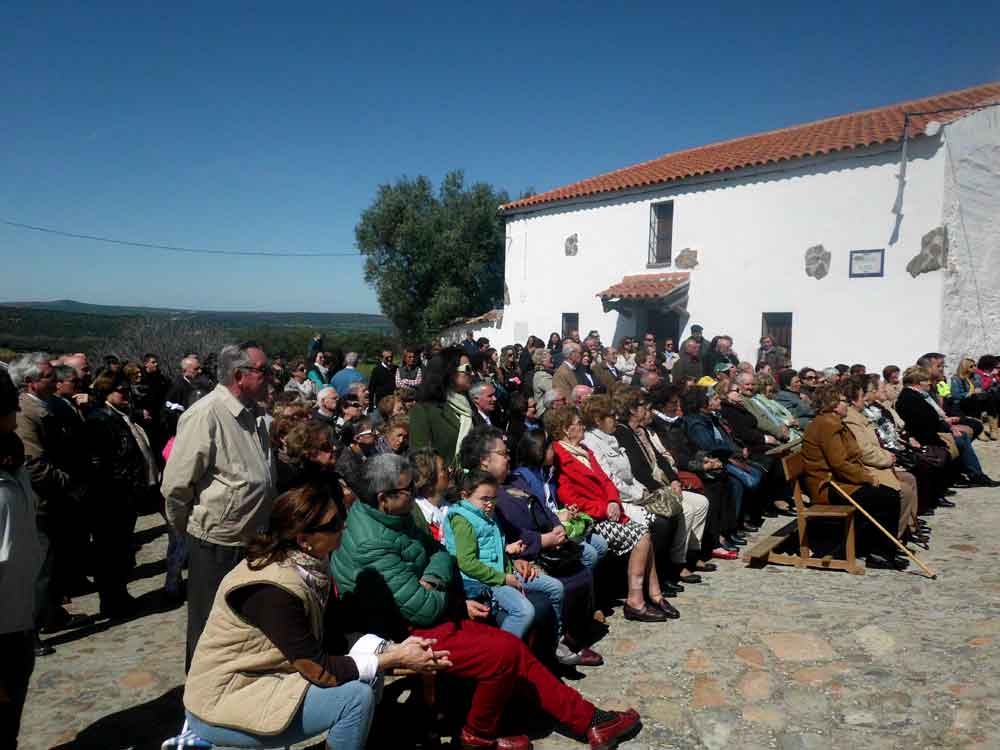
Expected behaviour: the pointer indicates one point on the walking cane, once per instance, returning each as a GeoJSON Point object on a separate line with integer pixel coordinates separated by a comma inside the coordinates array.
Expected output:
{"type": "Point", "coordinates": [881, 528]}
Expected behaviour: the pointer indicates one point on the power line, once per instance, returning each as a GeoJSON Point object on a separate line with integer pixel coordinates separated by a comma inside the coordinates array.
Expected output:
{"type": "Point", "coordinates": [175, 248]}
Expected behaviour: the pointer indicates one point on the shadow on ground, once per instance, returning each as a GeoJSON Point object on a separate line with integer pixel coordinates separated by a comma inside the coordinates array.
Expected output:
{"type": "Point", "coordinates": [136, 728]}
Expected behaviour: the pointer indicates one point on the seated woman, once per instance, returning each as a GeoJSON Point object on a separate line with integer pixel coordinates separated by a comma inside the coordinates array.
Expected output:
{"type": "Point", "coordinates": [443, 413]}
{"type": "Point", "coordinates": [430, 487]}
{"type": "Point", "coordinates": [397, 581]}
{"type": "Point", "coordinates": [698, 471]}
{"type": "Point", "coordinates": [774, 492]}
{"type": "Point", "coordinates": [970, 398]}
{"type": "Point", "coordinates": [584, 375]}
{"type": "Point", "coordinates": [785, 426]}
{"type": "Point", "coordinates": [791, 395]}
{"type": "Point", "coordinates": [831, 454]}
{"type": "Point", "coordinates": [359, 446]}
{"type": "Point", "coordinates": [582, 483]}
{"type": "Point", "coordinates": [535, 476]}
{"type": "Point", "coordinates": [522, 418]}
{"type": "Point", "coordinates": [707, 431]}
{"type": "Point", "coordinates": [533, 529]}
{"type": "Point", "coordinates": [261, 675]}
{"type": "Point", "coordinates": [675, 540]}
{"type": "Point", "coordinates": [880, 462]}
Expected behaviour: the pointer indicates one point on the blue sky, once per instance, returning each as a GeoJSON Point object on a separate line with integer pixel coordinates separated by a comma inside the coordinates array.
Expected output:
{"type": "Point", "coordinates": [270, 126]}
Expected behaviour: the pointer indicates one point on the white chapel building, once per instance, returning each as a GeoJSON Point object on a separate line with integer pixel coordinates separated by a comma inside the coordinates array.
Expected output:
{"type": "Point", "coordinates": [870, 237]}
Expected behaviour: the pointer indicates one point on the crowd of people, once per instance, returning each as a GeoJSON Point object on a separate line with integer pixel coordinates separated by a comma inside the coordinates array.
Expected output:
{"type": "Point", "coordinates": [469, 511]}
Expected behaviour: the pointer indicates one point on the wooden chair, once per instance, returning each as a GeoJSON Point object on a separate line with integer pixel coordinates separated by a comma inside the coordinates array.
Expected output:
{"type": "Point", "coordinates": [765, 550]}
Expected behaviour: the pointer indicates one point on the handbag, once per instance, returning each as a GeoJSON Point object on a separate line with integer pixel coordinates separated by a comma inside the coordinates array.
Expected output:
{"type": "Point", "coordinates": [662, 502]}
{"type": "Point", "coordinates": [562, 561]}
{"type": "Point", "coordinates": [934, 456]}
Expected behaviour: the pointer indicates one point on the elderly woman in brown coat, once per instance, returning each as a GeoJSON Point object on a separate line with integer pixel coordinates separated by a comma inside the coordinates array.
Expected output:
{"type": "Point", "coordinates": [831, 454]}
{"type": "Point", "coordinates": [880, 462]}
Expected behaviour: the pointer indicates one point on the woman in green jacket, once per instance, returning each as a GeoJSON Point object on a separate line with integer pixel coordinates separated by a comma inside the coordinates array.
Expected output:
{"type": "Point", "coordinates": [443, 413]}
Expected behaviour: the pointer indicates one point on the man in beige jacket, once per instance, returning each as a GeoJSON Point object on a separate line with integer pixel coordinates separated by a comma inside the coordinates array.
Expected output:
{"type": "Point", "coordinates": [564, 378]}
{"type": "Point", "coordinates": [219, 483]}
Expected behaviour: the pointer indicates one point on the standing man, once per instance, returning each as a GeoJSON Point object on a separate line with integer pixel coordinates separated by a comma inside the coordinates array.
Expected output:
{"type": "Point", "coordinates": [20, 564]}
{"type": "Point", "coordinates": [564, 378]}
{"type": "Point", "coordinates": [219, 482]}
{"type": "Point", "coordinates": [150, 396]}
{"type": "Point", "coordinates": [342, 381]}
{"type": "Point", "coordinates": [382, 381]}
{"type": "Point", "coordinates": [58, 494]}
{"type": "Point", "coordinates": [689, 364]}
{"type": "Point", "coordinates": [179, 396]}
{"type": "Point", "coordinates": [484, 400]}
{"type": "Point", "coordinates": [697, 335]}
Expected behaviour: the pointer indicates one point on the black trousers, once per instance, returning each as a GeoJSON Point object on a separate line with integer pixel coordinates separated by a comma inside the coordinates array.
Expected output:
{"type": "Point", "coordinates": [661, 534]}
{"type": "Point", "coordinates": [114, 520]}
{"type": "Point", "coordinates": [208, 564]}
{"type": "Point", "coordinates": [721, 513]}
{"type": "Point", "coordinates": [16, 666]}
{"type": "Point", "coordinates": [883, 505]}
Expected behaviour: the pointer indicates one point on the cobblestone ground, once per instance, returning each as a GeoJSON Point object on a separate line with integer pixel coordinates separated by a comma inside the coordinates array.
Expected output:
{"type": "Point", "coordinates": [772, 658]}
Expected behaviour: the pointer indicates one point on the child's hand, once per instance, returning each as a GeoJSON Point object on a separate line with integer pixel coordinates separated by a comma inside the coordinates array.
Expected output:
{"type": "Point", "coordinates": [515, 548]}
{"type": "Point", "coordinates": [526, 569]}
{"type": "Point", "coordinates": [514, 582]}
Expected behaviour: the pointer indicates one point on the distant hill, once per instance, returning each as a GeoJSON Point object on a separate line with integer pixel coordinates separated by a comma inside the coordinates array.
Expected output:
{"type": "Point", "coordinates": [229, 319]}
{"type": "Point", "coordinates": [68, 325]}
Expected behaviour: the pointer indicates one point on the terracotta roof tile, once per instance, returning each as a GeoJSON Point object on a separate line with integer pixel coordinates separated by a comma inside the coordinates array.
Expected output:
{"type": "Point", "coordinates": [645, 286]}
{"type": "Point", "coordinates": [856, 130]}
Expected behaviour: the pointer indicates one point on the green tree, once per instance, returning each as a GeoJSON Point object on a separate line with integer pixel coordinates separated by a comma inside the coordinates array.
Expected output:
{"type": "Point", "coordinates": [433, 257]}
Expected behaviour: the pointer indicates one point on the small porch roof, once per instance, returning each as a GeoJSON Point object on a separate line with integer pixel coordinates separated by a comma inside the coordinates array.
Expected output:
{"type": "Point", "coordinates": [663, 290]}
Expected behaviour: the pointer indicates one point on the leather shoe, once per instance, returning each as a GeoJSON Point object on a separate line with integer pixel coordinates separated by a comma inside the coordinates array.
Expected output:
{"type": "Point", "coordinates": [469, 741]}
{"type": "Point", "coordinates": [690, 578]}
{"type": "Point", "coordinates": [737, 540]}
{"type": "Point", "coordinates": [750, 527]}
{"type": "Point", "coordinates": [670, 586]}
{"type": "Point", "coordinates": [66, 621]}
{"type": "Point", "coordinates": [667, 608]}
{"type": "Point", "coordinates": [646, 614]}
{"type": "Point", "coordinates": [590, 658]}
{"type": "Point", "coordinates": [728, 547]}
{"type": "Point", "coordinates": [609, 734]}
{"type": "Point", "coordinates": [43, 649]}
{"type": "Point", "coordinates": [983, 481]}
{"type": "Point", "coordinates": [707, 567]}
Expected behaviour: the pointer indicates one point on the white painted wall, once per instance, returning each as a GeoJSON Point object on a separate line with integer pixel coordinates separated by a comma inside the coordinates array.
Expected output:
{"type": "Point", "coordinates": [752, 230]}
{"type": "Point", "coordinates": [456, 334]}
{"type": "Point", "coordinates": [971, 299]}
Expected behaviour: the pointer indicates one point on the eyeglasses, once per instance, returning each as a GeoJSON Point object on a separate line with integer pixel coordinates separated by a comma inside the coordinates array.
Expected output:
{"type": "Point", "coordinates": [259, 370]}
{"type": "Point", "coordinates": [466, 368]}
{"type": "Point", "coordinates": [332, 526]}
{"type": "Point", "coordinates": [408, 489]}
{"type": "Point", "coordinates": [505, 453]}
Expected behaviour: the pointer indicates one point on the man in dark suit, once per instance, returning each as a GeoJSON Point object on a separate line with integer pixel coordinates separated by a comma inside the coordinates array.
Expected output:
{"type": "Point", "coordinates": [382, 381]}
{"type": "Point", "coordinates": [484, 404]}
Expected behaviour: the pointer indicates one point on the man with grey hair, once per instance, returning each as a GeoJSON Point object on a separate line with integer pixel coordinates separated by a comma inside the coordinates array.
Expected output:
{"type": "Point", "coordinates": [484, 399]}
{"type": "Point", "coordinates": [219, 482]}
{"type": "Point", "coordinates": [581, 393]}
{"type": "Point", "coordinates": [553, 398]}
{"type": "Point", "coordinates": [565, 377]}
{"type": "Point", "coordinates": [58, 492]}
{"type": "Point", "coordinates": [345, 377]}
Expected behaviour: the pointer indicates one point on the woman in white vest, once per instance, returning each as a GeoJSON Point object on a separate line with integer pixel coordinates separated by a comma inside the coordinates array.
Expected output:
{"type": "Point", "coordinates": [260, 674]}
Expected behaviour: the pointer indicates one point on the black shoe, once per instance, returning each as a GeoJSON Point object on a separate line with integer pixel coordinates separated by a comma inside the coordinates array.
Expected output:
{"type": "Point", "coordinates": [121, 608]}
{"type": "Point", "coordinates": [708, 567]}
{"type": "Point", "coordinates": [787, 512]}
{"type": "Point", "coordinates": [771, 513]}
{"type": "Point", "coordinates": [728, 546]}
{"type": "Point", "coordinates": [949, 493]}
{"type": "Point", "coordinates": [690, 578]}
{"type": "Point", "coordinates": [669, 587]}
{"type": "Point", "coordinates": [983, 481]}
{"type": "Point", "coordinates": [646, 614]}
{"type": "Point", "coordinates": [750, 528]}
{"type": "Point", "coordinates": [942, 503]}
{"type": "Point", "coordinates": [42, 649]}
{"type": "Point", "coordinates": [65, 621]}
{"type": "Point", "coordinates": [736, 539]}
{"type": "Point", "coordinates": [928, 512]}
{"type": "Point", "coordinates": [667, 608]}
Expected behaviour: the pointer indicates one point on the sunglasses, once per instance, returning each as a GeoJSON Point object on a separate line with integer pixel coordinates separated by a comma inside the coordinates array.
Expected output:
{"type": "Point", "coordinates": [467, 368]}
{"type": "Point", "coordinates": [330, 527]}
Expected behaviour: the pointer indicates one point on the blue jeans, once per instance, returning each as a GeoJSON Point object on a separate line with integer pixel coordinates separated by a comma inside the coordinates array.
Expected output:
{"type": "Point", "coordinates": [343, 712]}
{"type": "Point", "coordinates": [967, 456]}
{"type": "Point", "coordinates": [512, 610]}
{"type": "Point", "coordinates": [594, 550]}
{"type": "Point", "coordinates": [741, 481]}
{"type": "Point", "coordinates": [554, 592]}
{"type": "Point", "coordinates": [177, 554]}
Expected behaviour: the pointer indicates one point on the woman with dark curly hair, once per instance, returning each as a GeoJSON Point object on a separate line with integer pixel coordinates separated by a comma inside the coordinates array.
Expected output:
{"type": "Point", "coordinates": [443, 413]}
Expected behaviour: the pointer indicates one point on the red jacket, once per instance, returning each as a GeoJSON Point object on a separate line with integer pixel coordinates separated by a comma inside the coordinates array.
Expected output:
{"type": "Point", "coordinates": [590, 490]}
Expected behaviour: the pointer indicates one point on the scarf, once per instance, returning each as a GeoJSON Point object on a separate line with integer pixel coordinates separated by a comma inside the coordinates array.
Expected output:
{"type": "Point", "coordinates": [578, 452]}
{"type": "Point", "coordinates": [139, 434]}
{"type": "Point", "coordinates": [461, 405]}
{"type": "Point", "coordinates": [315, 573]}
